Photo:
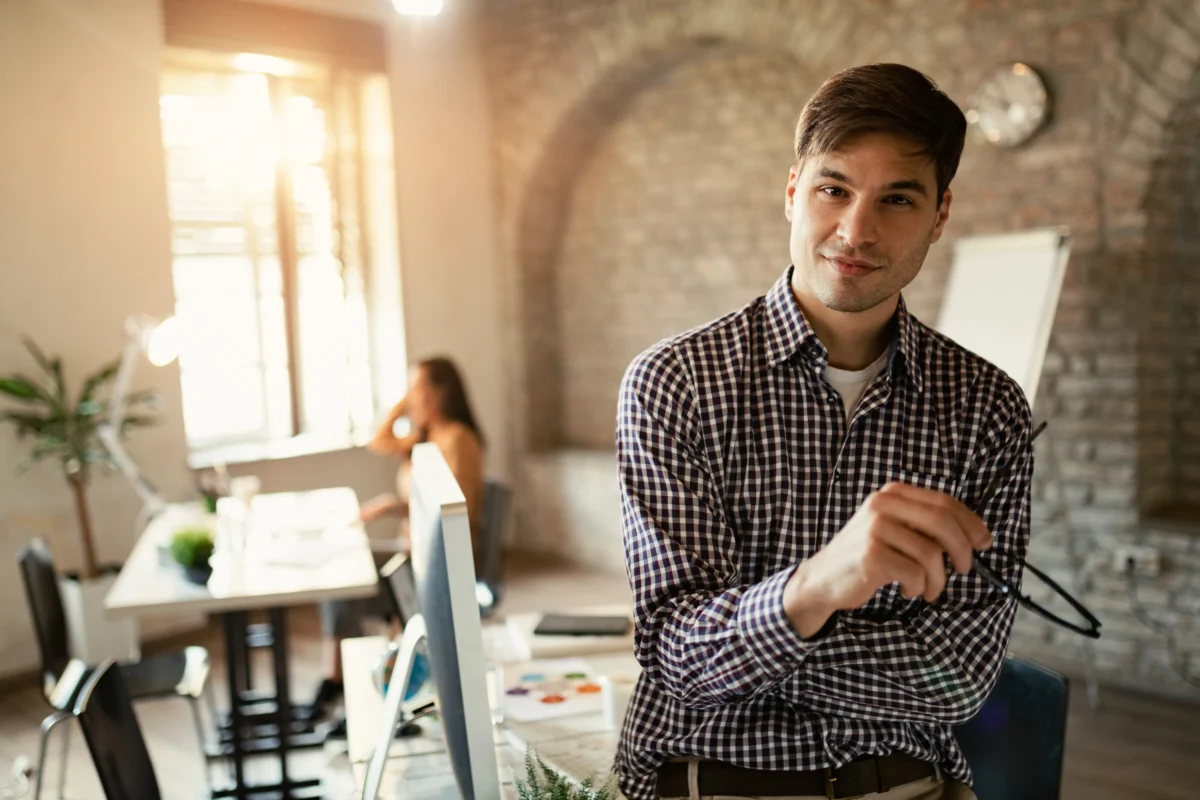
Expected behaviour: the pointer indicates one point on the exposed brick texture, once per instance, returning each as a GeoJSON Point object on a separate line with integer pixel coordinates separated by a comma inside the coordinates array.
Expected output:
{"type": "Point", "coordinates": [641, 149]}
{"type": "Point", "coordinates": [697, 151]}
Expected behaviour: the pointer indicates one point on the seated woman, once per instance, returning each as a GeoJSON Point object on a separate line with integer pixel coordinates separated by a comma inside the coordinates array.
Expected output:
{"type": "Point", "coordinates": [437, 407]}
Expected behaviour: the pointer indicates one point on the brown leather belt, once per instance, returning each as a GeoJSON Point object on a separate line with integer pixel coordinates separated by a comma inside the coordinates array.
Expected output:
{"type": "Point", "coordinates": [864, 776]}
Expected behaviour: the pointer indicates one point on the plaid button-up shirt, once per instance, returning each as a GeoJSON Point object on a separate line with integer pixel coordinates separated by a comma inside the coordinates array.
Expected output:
{"type": "Point", "coordinates": [736, 463]}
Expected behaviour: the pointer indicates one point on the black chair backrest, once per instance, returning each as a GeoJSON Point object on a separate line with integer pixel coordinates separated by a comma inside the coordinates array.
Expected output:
{"type": "Point", "coordinates": [400, 587]}
{"type": "Point", "coordinates": [46, 609]}
{"type": "Point", "coordinates": [1015, 743]}
{"type": "Point", "coordinates": [114, 737]}
{"type": "Point", "coordinates": [497, 499]}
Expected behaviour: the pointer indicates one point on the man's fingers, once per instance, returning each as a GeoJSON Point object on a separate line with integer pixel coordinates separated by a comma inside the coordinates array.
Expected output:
{"type": "Point", "coordinates": [977, 533]}
{"type": "Point", "coordinates": [940, 528]}
{"type": "Point", "coordinates": [895, 567]}
{"type": "Point", "coordinates": [922, 551]}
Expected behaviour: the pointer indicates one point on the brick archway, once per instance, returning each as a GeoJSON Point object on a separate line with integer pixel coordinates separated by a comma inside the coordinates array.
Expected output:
{"type": "Point", "coordinates": [1151, 77]}
{"type": "Point", "coordinates": [1145, 108]}
{"type": "Point", "coordinates": [579, 101]}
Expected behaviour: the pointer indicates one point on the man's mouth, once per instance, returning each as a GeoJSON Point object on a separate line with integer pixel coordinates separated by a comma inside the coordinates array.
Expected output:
{"type": "Point", "coordinates": [850, 267]}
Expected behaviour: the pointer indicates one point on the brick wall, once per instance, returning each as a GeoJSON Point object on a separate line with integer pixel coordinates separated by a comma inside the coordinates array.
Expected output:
{"type": "Point", "coordinates": [640, 154]}
{"type": "Point", "coordinates": [705, 148]}
{"type": "Point", "coordinates": [1168, 382]}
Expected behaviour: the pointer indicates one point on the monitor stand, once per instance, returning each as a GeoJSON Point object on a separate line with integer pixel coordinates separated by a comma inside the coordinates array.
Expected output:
{"type": "Point", "coordinates": [393, 703]}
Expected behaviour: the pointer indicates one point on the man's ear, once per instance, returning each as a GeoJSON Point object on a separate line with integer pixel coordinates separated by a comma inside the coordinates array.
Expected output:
{"type": "Point", "coordinates": [943, 214]}
{"type": "Point", "coordinates": [789, 199]}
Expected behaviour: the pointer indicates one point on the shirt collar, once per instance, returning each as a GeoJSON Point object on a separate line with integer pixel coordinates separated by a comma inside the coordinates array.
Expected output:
{"type": "Point", "coordinates": [908, 344]}
{"type": "Point", "coordinates": [788, 333]}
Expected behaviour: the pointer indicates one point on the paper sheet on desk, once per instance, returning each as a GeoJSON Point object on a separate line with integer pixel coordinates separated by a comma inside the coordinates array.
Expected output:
{"type": "Point", "coordinates": [541, 690]}
{"type": "Point", "coordinates": [300, 551]}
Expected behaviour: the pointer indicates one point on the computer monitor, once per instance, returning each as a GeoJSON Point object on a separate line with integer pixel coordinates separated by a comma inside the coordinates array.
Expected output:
{"type": "Point", "coordinates": [444, 572]}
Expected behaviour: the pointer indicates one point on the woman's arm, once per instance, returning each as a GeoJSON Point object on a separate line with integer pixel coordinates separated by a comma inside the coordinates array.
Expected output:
{"type": "Point", "coordinates": [385, 442]}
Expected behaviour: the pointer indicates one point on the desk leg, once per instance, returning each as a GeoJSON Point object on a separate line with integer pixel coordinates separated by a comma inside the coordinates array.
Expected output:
{"type": "Point", "coordinates": [245, 737]}
{"type": "Point", "coordinates": [234, 623]}
{"type": "Point", "coordinates": [283, 694]}
{"type": "Point", "coordinates": [247, 670]}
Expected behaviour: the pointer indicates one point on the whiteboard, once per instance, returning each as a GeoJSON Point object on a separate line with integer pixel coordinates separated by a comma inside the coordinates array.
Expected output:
{"type": "Point", "coordinates": [1002, 296]}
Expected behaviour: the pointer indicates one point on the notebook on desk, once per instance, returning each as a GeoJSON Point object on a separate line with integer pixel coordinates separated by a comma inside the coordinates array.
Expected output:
{"type": "Point", "coordinates": [582, 625]}
{"type": "Point", "coordinates": [526, 645]}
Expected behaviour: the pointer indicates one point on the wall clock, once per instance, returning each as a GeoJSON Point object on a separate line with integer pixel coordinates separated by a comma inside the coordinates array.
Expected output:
{"type": "Point", "coordinates": [1010, 105]}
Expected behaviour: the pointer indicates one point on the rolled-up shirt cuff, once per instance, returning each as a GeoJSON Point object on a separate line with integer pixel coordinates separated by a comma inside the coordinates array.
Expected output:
{"type": "Point", "coordinates": [766, 631]}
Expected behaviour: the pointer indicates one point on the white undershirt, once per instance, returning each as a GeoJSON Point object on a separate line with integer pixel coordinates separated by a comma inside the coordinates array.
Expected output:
{"type": "Point", "coordinates": [851, 385]}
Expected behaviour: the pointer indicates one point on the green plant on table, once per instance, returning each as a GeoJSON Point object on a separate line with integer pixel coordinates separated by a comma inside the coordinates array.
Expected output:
{"type": "Point", "coordinates": [543, 783]}
{"type": "Point", "coordinates": [192, 547]}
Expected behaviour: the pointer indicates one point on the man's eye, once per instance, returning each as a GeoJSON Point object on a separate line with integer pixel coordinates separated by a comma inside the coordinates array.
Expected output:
{"type": "Point", "coordinates": [899, 200]}
{"type": "Point", "coordinates": [834, 191]}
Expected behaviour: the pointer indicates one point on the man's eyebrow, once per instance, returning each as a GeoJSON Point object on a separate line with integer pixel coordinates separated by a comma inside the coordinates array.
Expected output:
{"type": "Point", "coordinates": [832, 174]}
{"type": "Point", "coordinates": [912, 184]}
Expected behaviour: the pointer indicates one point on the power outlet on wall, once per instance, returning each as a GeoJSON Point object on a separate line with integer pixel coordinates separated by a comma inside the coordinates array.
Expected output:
{"type": "Point", "coordinates": [1146, 560]}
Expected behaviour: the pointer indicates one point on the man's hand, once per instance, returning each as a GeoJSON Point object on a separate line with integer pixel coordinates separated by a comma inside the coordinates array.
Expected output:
{"type": "Point", "coordinates": [899, 534]}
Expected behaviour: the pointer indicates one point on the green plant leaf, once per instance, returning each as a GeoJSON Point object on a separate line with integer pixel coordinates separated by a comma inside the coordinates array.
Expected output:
{"type": "Point", "coordinates": [26, 424]}
{"type": "Point", "coordinates": [97, 456]}
{"type": "Point", "coordinates": [543, 783]}
{"type": "Point", "coordinates": [192, 547]}
{"type": "Point", "coordinates": [96, 380]}
{"type": "Point", "coordinates": [52, 366]}
{"type": "Point", "coordinates": [42, 360]}
{"type": "Point", "coordinates": [90, 408]}
{"type": "Point", "coordinates": [24, 388]}
{"type": "Point", "coordinates": [40, 451]}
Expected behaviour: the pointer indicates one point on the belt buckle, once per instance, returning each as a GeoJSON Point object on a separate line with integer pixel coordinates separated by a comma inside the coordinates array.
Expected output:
{"type": "Point", "coordinates": [830, 792]}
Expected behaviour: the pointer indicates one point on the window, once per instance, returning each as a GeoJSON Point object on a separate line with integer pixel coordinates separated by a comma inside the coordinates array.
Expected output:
{"type": "Point", "coordinates": [282, 203]}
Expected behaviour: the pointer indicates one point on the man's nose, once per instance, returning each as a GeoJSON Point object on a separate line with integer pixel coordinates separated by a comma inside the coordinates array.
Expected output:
{"type": "Point", "coordinates": [859, 226]}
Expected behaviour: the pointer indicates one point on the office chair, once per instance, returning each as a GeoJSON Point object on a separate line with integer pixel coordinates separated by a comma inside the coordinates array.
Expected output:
{"type": "Point", "coordinates": [1015, 743]}
{"type": "Point", "coordinates": [114, 737]}
{"type": "Point", "coordinates": [183, 673]}
{"type": "Point", "coordinates": [497, 501]}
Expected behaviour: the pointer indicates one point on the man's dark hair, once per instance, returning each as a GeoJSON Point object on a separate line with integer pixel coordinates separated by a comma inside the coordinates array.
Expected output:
{"type": "Point", "coordinates": [884, 98]}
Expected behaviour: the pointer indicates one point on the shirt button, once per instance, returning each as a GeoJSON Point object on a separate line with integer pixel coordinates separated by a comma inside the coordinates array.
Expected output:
{"type": "Point", "coordinates": [837, 475]}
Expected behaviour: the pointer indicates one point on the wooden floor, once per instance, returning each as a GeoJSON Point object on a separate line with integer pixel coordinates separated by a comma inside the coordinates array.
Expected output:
{"type": "Point", "coordinates": [1135, 747]}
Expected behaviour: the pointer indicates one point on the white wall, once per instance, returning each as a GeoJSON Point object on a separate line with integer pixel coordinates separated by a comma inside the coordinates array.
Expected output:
{"type": "Point", "coordinates": [84, 243]}
{"type": "Point", "coordinates": [452, 288]}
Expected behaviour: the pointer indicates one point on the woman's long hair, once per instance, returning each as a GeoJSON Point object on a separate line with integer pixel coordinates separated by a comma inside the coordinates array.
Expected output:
{"type": "Point", "coordinates": [451, 392]}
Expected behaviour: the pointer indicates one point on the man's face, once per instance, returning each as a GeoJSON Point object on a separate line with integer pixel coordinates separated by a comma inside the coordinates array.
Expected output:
{"type": "Point", "coordinates": [863, 217]}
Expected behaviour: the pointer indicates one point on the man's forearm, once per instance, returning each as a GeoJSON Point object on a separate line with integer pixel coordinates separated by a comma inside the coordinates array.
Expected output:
{"type": "Point", "coordinates": [937, 667]}
{"type": "Point", "coordinates": [708, 650]}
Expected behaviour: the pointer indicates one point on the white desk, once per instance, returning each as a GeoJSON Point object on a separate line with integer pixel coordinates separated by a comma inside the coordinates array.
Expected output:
{"type": "Point", "coordinates": [300, 548]}
{"type": "Point", "coordinates": [281, 527]}
{"type": "Point", "coordinates": [420, 767]}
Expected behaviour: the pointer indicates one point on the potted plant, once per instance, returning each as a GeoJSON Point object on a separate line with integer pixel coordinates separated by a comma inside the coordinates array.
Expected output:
{"type": "Point", "coordinates": [63, 429]}
{"type": "Point", "coordinates": [192, 548]}
{"type": "Point", "coordinates": [543, 783]}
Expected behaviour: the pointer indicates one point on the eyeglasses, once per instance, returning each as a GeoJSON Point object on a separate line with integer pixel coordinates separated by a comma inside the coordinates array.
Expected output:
{"type": "Point", "coordinates": [1092, 631]}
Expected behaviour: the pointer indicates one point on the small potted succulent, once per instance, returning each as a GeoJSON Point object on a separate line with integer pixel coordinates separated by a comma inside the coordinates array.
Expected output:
{"type": "Point", "coordinates": [543, 783]}
{"type": "Point", "coordinates": [192, 548]}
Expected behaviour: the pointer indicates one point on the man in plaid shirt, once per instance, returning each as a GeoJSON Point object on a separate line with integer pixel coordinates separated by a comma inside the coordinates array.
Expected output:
{"type": "Point", "coordinates": [803, 490]}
